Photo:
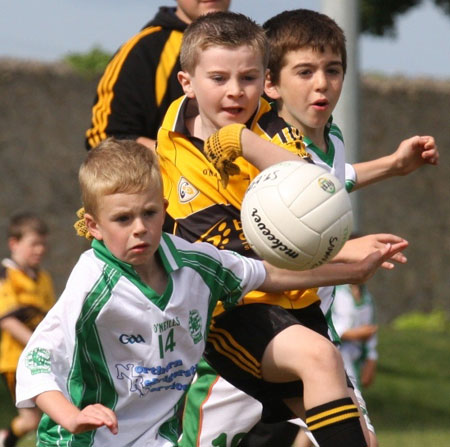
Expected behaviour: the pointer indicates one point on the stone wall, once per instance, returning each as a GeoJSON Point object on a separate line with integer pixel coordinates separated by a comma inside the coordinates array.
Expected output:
{"type": "Point", "coordinates": [416, 207]}
{"type": "Point", "coordinates": [45, 110]}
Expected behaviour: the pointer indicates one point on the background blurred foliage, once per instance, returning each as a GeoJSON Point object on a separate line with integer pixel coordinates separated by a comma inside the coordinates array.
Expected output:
{"type": "Point", "coordinates": [436, 321]}
{"type": "Point", "coordinates": [378, 16]}
{"type": "Point", "coordinates": [90, 64]}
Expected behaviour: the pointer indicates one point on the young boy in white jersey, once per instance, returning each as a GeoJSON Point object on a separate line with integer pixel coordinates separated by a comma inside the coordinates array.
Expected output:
{"type": "Point", "coordinates": [111, 362]}
{"type": "Point", "coordinates": [354, 318]}
{"type": "Point", "coordinates": [223, 59]}
{"type": "Point", "coordinates": [307, 65]}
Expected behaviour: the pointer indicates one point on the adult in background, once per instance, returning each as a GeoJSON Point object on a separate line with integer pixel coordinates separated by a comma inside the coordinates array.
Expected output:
{"type": "Point", "coordinates": [140, 81]}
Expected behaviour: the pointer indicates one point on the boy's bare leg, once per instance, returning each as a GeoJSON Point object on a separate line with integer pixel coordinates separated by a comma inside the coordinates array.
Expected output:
{"type": "Point", "coordinates": [373, 439]}
{"type": "Point", "coordinates": [302, 440]}
{"type": "Point", "coordinates": [299, 353]}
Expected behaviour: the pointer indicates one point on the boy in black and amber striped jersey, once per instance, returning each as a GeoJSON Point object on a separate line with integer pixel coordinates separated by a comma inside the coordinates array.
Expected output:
{"type": "Point", "coordinates": [224, 58]}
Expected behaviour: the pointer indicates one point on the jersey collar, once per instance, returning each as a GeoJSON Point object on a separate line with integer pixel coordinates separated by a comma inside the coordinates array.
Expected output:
{"type": "Point", "coordinates": [32, 273]}
{"type": "Point", "coordinates": [327, 157]}
{"type": "Point", "coordinates": [170, 259]}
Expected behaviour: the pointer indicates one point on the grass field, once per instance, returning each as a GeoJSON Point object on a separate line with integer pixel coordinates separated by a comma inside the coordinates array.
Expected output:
{"type": "Point", "coordinates": [410, 401]}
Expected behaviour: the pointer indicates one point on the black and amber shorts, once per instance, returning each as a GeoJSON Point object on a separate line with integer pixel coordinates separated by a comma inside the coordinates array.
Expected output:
{"type": "Point", "coordinates": [236, 344]}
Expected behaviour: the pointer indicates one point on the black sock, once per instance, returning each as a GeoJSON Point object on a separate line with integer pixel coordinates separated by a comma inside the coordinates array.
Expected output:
{"type": "Point", "coordinates": [336, 424]}
{"type": "Point", "coordinates": [11, 439]}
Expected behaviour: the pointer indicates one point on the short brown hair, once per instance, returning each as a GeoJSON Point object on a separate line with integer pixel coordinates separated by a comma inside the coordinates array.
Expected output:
{"type": "Point", "coordinates": [117, 166]}
{"type": "Point", "coordinates": [300, 28]}
{"type": "Point", "coordinates": [23, 223]}
{"type": "Point", "coordinates": [221, 29]}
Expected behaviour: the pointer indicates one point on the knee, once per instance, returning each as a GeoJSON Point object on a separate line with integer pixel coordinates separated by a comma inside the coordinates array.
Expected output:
{"type": "Point", "coordinates": [324, 356]}
{"type": "Point", "coordinates": [298, 352]}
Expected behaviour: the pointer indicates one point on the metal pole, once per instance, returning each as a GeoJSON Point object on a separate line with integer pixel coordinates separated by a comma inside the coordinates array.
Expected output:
{"type": "Point", "coordinates": [346, 114]}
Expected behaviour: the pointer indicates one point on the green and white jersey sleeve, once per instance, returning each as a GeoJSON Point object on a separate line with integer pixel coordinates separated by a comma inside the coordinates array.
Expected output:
{"type": "Point", "coordinates": [111, 339]}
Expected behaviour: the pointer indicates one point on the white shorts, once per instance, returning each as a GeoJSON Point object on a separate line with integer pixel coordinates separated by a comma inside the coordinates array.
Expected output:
{"type": "Point", "coordinates": [218, 414]}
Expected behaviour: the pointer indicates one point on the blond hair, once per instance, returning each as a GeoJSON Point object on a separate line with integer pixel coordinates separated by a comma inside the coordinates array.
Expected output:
{"type": "Point", "coordinates": [117, 166]}
{"type": "Point", "coordinates": [221, 29]}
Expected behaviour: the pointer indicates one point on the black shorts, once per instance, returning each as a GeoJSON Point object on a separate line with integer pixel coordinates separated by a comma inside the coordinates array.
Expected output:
{"type": "Point", "coordinates": [236, 344]}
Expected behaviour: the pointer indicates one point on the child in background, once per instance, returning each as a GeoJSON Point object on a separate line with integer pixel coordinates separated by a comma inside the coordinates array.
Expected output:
{"type": "Point", "coordinates": [111, 362]}
{"type": "Point", "coordinates": [26, 294]}
{"type": "Point", "coordinates": [353, 313]}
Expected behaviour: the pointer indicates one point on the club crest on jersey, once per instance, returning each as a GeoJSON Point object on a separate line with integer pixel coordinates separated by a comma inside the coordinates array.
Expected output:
{"type": "Point", "coordinates": [195, 325]}
{"type": "Point", "coordinates": [38, 361]}
{"type": "Point", "coordinates": [186, 191]}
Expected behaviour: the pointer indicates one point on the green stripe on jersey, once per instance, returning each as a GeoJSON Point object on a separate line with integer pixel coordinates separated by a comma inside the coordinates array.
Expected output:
{"type": "Point", "coordinates": [89, 369]}
{"type": "Point", "coordinates": [89, 380]}
{"type": "Point", "coordinates": [223, 284]}
{"type": "Point", "coordinates": [334, 130]}
{"type": "Point", "coordinates": [170, 429]}
{"type": "Point", "coordinates": [205, 379]}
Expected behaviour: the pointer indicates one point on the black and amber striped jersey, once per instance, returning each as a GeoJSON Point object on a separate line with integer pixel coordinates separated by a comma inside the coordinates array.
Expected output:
{"type": "Point", "coordinates": [139, 83]}
{"type": "Point", "coordinates": [201, 209]}
{"type": "Point", "coordinates": [25, 298]}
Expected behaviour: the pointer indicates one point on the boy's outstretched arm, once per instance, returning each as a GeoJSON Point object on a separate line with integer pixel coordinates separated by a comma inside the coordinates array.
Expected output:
{"type": "Point", "coordinates": [279, 280]}
{"type": "Point", "coordinates": [64, 413]}
{"type": "Point", "coordinates": [235, 140]}
{"type": "Point", "coordinates": [262, 153]}
{"type": "Point", "coordinates": [357, 249]}
{"type": "Point", "coordinates": [410, 155]}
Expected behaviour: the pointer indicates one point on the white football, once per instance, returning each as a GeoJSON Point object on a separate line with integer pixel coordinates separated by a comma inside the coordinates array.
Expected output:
{"type": "Point", "coordinates": [296, 215]}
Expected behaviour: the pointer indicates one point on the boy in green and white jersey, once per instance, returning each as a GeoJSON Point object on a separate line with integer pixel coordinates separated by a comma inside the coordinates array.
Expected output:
{"type": "Point", "coordinates": [307, 65]}
{"type": "Point", "coordinates": [111, 362]}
